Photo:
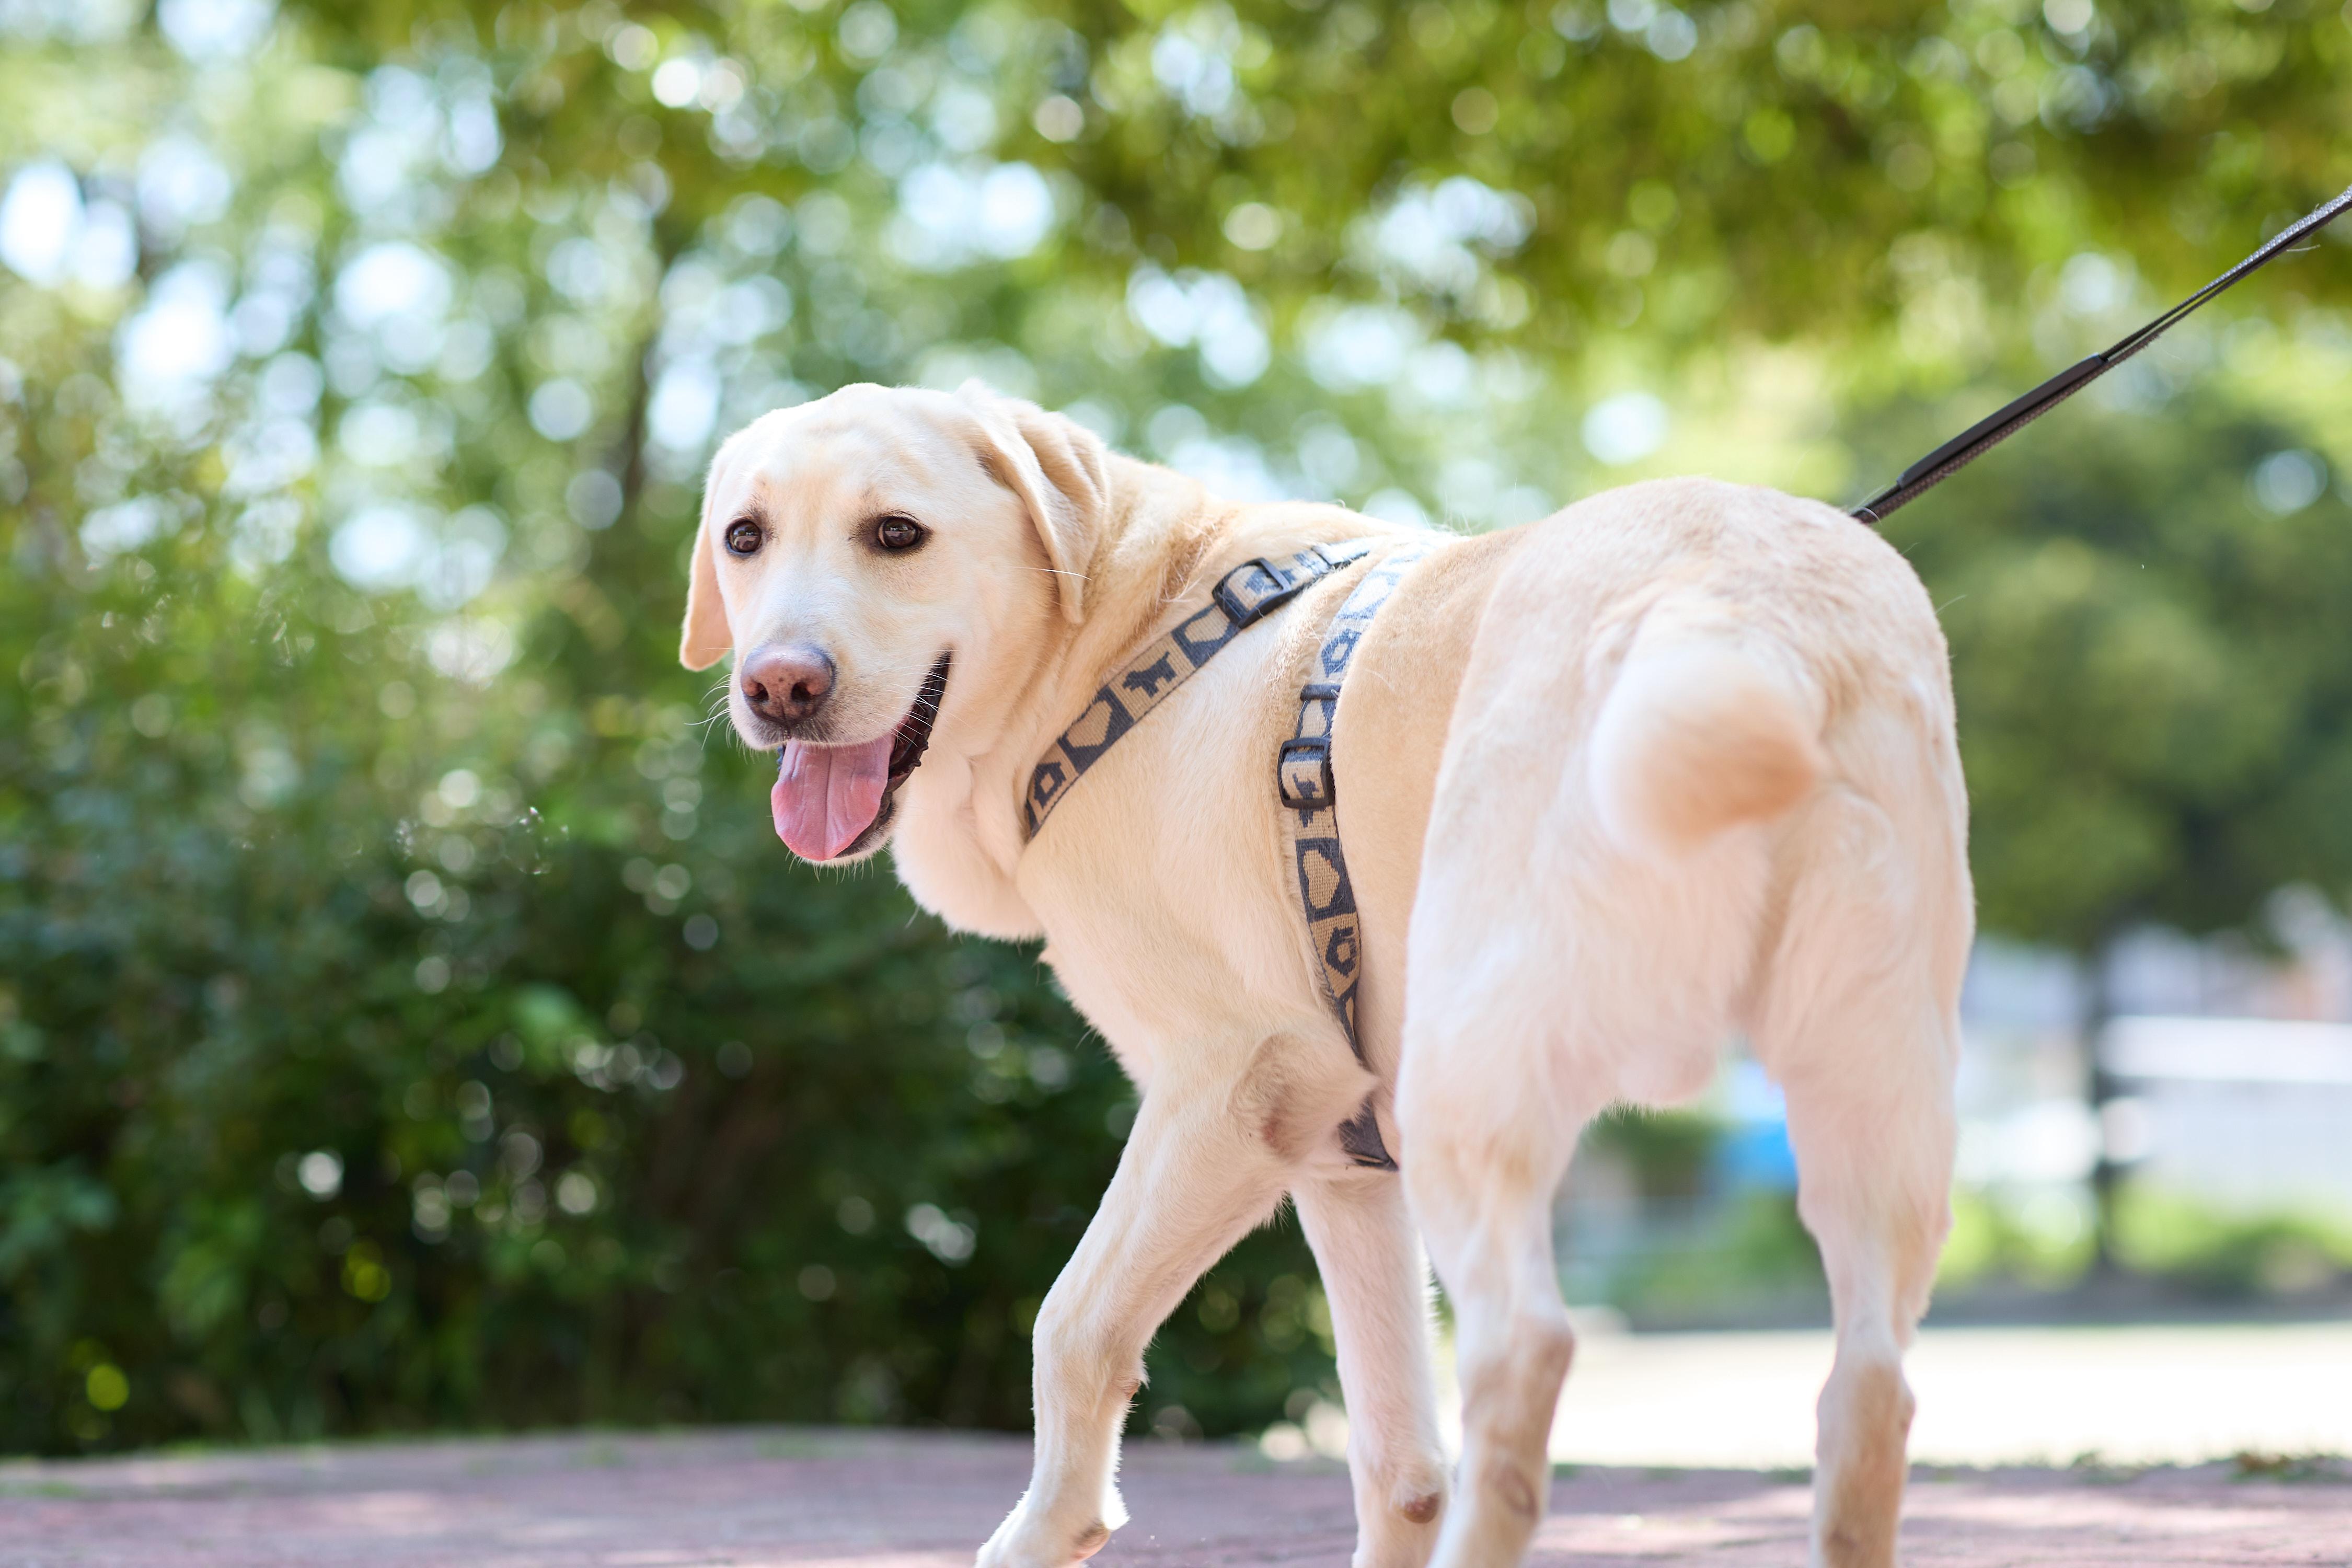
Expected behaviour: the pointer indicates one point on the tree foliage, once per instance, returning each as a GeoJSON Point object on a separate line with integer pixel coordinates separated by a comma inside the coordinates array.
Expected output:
{"type": "Point", "coordinates": [2144, 641]}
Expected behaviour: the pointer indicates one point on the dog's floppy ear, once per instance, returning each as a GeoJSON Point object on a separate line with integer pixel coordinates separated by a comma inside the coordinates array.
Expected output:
{"type": "Point", "coordinates": [706, 639]}
{"type": "Point", "coordinates": [1060, 470]}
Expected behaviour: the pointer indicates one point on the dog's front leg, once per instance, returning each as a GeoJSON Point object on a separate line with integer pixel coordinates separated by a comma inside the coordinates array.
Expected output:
{"type": "Point", "coordinates": [1373, 1274]}
{"type": "Point", "coordinates": [1196, 1175]}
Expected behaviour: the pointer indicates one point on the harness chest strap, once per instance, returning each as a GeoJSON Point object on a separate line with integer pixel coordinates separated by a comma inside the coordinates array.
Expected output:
{"type": "Point", "coordinates": [1304, 782]}
{"type": "Point", "coordinates": [1242, 597]}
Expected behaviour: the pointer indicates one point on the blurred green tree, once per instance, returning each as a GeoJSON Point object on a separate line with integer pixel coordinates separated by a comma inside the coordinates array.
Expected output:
{"type": "Point", "coordinates": [2159, 705]}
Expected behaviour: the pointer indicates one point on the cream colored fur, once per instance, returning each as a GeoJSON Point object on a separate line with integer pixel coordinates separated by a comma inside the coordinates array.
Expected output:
{"type": "Point", "coordinates": [1673, 765]}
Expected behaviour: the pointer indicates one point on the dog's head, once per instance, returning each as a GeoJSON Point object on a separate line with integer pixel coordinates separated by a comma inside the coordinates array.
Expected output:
{"type": "Point", "coordinates": [872, 560]}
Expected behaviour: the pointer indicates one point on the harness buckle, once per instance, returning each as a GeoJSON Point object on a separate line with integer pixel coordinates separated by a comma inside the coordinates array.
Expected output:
{"type": "Point", "coordinates": [1247, 592]}
{"type": "Point", "coordinates": [1305, 773]}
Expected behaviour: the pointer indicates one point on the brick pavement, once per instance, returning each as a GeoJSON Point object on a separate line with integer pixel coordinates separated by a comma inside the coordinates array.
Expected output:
{"type": "Point", "coordinates": [768, 1497]}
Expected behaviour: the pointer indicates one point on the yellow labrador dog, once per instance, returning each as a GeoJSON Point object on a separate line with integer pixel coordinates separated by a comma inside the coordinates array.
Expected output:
{"type": "Point", "coordinates": [1675, 763]}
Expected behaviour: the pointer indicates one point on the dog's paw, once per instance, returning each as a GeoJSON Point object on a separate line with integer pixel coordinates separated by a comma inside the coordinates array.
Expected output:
{"type": "Point", "coordinates": [1031, 1540]}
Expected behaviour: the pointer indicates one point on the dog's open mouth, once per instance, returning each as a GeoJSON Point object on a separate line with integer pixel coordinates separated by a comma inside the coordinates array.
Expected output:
{"type": "Point", "coordinates": [831, 800]}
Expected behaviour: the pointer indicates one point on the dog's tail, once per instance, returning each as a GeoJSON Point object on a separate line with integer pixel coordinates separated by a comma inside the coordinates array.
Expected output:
{"type": "Point", "coordinates": [1708, 723]}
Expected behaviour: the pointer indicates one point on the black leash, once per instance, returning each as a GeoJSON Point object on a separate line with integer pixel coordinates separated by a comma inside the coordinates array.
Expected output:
{"type": "Point", "coordinates": [1989, 432]}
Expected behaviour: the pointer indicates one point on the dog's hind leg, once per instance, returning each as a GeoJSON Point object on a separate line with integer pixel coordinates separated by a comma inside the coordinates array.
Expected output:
{"type": "Point", "coordinates": [1485, 1132]}
{"type": "Point", "coordinates": [1859, 1024]}
{"type": "Point", "coordinates": [1482, 1190]}
{"type": "Point", "coordinates": [1550, 974]}
{"type": "Point", "coordinates": [1378, 1289]}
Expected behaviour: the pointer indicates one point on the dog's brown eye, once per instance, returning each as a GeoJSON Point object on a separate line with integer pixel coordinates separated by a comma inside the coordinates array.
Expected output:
{"type": "Point", "coordinates": [744, 536]}
{"type": "Point", "coordinates": [899, 533]}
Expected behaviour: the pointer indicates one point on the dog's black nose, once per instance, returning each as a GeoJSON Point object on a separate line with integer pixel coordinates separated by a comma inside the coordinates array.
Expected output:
{"type": "Point", "coordinates": [787, 683]}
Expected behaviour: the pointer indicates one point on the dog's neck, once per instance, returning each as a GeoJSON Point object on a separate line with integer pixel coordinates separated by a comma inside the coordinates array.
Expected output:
{"type": "Point", "coordinates": [960, 841]}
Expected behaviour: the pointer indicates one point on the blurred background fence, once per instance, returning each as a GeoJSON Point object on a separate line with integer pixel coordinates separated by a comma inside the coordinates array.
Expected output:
{"type": "Point", "coordinates": [406, 1017]}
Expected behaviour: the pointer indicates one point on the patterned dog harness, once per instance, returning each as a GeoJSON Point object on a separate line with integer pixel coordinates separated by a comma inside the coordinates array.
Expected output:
{"type": "Point", "coordinates": [1242, 597]}
{"type": "Point", "coordinates": [1302, 775]}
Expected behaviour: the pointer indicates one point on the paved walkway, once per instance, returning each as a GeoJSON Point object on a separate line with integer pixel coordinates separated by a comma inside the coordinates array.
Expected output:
{"type": "Point", "coordinates": [769, 1498]}
{"type": "Point", "coordinates": [2156, 1395]}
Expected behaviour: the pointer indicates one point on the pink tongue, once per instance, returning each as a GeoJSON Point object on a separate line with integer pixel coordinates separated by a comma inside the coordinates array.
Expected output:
{"type": "Point", "coordinates": [826, 796]}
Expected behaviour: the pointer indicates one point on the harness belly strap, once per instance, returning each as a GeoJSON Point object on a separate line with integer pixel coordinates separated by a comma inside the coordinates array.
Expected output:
{"type": "Point", "coordinates": [1241, 597]}
{"type": "Point", "coordinates": [1311, 811]}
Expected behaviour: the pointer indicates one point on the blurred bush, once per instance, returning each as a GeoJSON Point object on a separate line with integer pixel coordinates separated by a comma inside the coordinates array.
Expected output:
{"type": "Point", "coordinates": [1746, 1258]}
{"type": "Point", "coordinates": [2233, 1255]}
{"type": "Point", "coordinates": [344, 1091]}
{"type": "Point", "coordinates": [2044, 1242]}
